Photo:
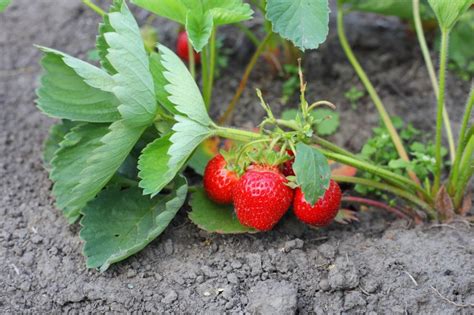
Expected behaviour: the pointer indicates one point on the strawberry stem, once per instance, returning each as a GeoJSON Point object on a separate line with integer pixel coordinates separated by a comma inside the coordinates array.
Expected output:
{"type": "Point", "coordinates": [321, 103]}
{"type": "Point", "coordinates": [440, 108]}
{"type": "Point", "coordinates": [373, 203]}
{"type": "Point", "coordinates": [371, 90]}
{"type": "Point", "coordinates": [395, 179]}
{"type": "Point", "coordinates": [391, 189]}
{"type": "Point", "coordinates": [212, 67]}
{"type": "Point", "coordinates": [248, 70]}
{"type": "Point", "coordinates": [94, 7]}
{"type": "Point", "coordinates": [431, 72]}
{"type": "Point", "coordinates": [192, 62]}
{"type": "Point", "coordinates": [463, 136]}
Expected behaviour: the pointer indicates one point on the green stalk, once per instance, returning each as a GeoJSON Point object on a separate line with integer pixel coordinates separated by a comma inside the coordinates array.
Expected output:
{"type": "Point", "coordinates": [371, 90]}
{"type": "Point", "coordinates": [212, 66]}
{"type": "Point", "coordinates": [245, 77]}
{"type": "Point", "coordinates": [205, 74]}
{"type": "Point", "coordinates": [238, 134]}
{"type": "Point", "coordinates": [395, 179]}
{"type": "Point", "coordinates": [467, 170]}
{"type": "Point", "coordinates": [468, 135]}
{"type": "Point", "coordinates": [463, 133]}
{"type": "Point", "coordinates": [388, 188]}
{"type": "Point", "coordinates": [432, 74]}
{"type": "Point", "coordinates": [192, 63]}
{"type": "Point", "coordinates": [439, 116]}
{"type": "Point", "coordinates": [338, 150]}
{"type": "Point", "coordinates": [94, 7]}
{"type": "Point", "coordinates": [464, 180]}
{"type": "Point", "coordinates": [330, 146]}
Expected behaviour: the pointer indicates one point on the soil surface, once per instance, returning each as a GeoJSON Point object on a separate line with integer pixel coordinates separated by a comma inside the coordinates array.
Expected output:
{"type": "Point", "coordinates": [377, 266]}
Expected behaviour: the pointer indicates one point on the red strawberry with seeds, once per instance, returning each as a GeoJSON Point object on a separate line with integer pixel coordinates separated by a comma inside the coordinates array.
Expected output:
{"type": "Point", "coordinates": [261, 197]}
{"type": "Point", "coordinates": [325, 209]}
{"type": "Point", "coordinates": [182, 48]}
{"type": "Point", "coordinates": [218, 181]}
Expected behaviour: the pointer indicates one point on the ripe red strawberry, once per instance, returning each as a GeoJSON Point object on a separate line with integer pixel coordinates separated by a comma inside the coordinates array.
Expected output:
{"type": "Point", "coordinates": [261, 197]}
{"type": "Point", "coordinates": [182, 48]}
{"type": "Point", "coordinates": [218, 181]}
{"type": "Point", "coordinates": [287, 167]}
{"type": "Point", "coordinates": [325, 209]}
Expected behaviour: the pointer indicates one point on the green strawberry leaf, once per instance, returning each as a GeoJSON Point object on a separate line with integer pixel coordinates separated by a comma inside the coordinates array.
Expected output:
{"type": "Point", "coordinates": [72, 155]}
{"type": "Point", "coordinates": [327, 121]}
{"type": "Point", "coordinates": [4, 4]}
{"type": "Point", "coordinates": [449, 11]}
{"type": "Point", "coordinates": [134, 82]}
{"type": "Point", "coordinates": [228, 11]}
{"type": "Point", "coordinates": [400, 8]}
{"type": "Point", "coordinates": [75, 90]}
{"type": "Point", "coordinates": [214, 218]}
{"type": "Point", "coordinates": [162, 159]}
{"type": "Point", "coordinates": [99, 158]}
{"type": "Point", "coordinates": [120, 223]}
{"type": "Point", "coordinates": [153, 165]}
{"type": "Point", "coordinates": [174, 10]}
{"type": "Point", "coordinates": [101, 43]}
{"type": "Point", "coordinates": [57, 133]}
{"type": "Point", "coordinates": [182, 89]}
{"type": "Point", "coordinates": [461, 42]}
{"type": "Point", "coordinates": [304, 22]}
{"type": "Point", "coordinates": [199, 28]}
{"type": "Point", "coordinates": [188, 134]}
{"type": "Point", "coordinates": [289, 114]}
{"type": "Point", "coordinates": [312, 172]}
{"type": "Point", "coordinates": [222, 11]}
{"type": "Point", "coordinates": [157, 71]}
{"type": "Point", "coordinates": [199, 16]}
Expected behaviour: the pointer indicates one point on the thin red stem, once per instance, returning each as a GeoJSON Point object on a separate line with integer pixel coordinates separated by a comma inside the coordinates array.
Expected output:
{"type": "Point", "coordinates": [377, 204]}
{"type": "Point", "coordinates": [243, 83]}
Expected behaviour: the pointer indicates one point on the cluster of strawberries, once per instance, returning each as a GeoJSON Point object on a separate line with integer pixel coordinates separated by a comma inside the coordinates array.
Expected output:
{"type": "Point", "coordinates": [261, 195]}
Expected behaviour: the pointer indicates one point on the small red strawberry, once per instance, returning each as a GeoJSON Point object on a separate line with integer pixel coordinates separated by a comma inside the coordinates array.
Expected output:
{"type": "Point", "coordinates": [325, 209]}
{"type": "Point", "coordinates": [182, 48]}
{"type": "Point", "coordinates": [218, 181]}
{"type": "Point", "coordinates": [261, 197]}
{"type": "Point", "coordinates": [287, 167]}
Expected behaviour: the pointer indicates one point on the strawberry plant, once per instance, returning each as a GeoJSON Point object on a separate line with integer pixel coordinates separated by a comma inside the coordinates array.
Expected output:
{"type": "Point", "coordinates": [353, 95]}
{"type": "Point", "coordinates": [461, 55]}
{"type": "Point", "coordinates": [130, 127]}
{"type": "Point", "coordinates": [451, 197]}
{"type": "Point", "coordinates": [379, 149]}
